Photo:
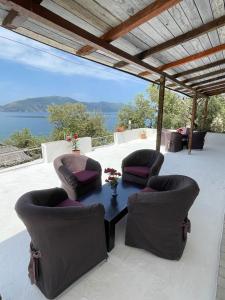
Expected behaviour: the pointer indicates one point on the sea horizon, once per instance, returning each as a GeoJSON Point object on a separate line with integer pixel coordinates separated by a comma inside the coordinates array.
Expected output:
{"type": "Point", "coordinates": [38, 123]}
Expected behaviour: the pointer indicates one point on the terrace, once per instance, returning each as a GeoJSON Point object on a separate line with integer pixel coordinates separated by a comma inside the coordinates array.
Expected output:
{"type": "Point", "coordinates": [129, 273]}
{"type": "Point", "coordinates": [177, 45]}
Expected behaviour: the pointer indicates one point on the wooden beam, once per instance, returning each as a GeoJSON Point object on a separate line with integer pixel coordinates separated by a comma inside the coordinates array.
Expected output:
{"type": "Point", "coordinates": [29, 8]}
{"type": "Point", "coordinates": [13, 20]}
{"type": "Point", "coordinates": [160, 112]}
{"type": "Point", "coordinates": [192, 57]}
{"type": "Point", "coordinates": [193, 116]}
{"type": "Point", "coordinates": [179, 39]}
{"type": "Point", "coordinates": [216, 88]}
{"type": "Point", "coordinates": [216, 92]}
{"type": "Point", "coordinates": [201, 68]}
{"type": "Point", "coordinates": [208, 86]}
{"type": "Point", "coordinates": [142, 16]}
{"type": "Point", "coordinates": [187, 36]}
{"type": "Point", "coordinates": [144, 73]}
{"type": "Point", "coordinates": [199, 83]}
{"type": "Point", "coordinates": [205, 114]}
{"type": "Point", "coordinates": [7, 22]}
{"type": "Point", "coordinates": [184, 37]}
{"type": "Point", "coordinates": [204, 76]}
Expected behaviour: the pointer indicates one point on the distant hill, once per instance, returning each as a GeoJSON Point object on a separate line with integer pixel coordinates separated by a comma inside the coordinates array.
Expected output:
{"type": "Point", "coordinates": [41, 105]}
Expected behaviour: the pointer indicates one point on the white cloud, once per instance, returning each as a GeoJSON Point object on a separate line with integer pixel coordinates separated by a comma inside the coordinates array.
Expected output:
{"type": "Point", "coordinates": [52, 60]}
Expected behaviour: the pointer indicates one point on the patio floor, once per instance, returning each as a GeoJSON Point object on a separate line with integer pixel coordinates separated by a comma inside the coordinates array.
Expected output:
{"type": "Point", "coordinates": [129, 273]}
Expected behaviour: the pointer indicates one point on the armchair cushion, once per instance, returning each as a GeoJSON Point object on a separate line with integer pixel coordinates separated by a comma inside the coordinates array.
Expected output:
{"type": "Point", "coordinates": [68, 203]}
{"type": "Point", "coordinates": [86, 176]}
{"type": "Point", "coordinates": [138, 170]}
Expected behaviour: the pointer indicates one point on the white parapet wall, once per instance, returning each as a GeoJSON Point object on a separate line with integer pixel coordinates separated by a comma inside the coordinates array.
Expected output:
{"type": "Point", "coordinates": [133, 134]}
{"type": "Point", "coordinates": [53, 149]}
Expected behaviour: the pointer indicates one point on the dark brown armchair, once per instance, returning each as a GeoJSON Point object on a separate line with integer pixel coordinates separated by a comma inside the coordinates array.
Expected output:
{"type": "Point", "coordinates": [140, 165]}
{"type": "Point", "coordinates": [78, 174]}
{"type": "Point", "coordinates": [198, 139]}
{"type": "Point", "coordinates": [158, 216]}
{"type": "Point", "coordinates": [66, 242]}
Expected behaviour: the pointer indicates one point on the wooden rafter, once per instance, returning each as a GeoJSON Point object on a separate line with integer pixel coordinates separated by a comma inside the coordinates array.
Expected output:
{"type": "Point", "coordinates": [207, 86]}
{"type": "Point", "coordinates": [201, 68]}
{"type": "Point", "coordinates": [7, 22]}
{"type": "Point", "coordinates": [39, 13]}
{"type": "Point", "coordinates": [204, 76]}
{"type": "Point", "coordinates": [144, 15]}
{"type": "Point", "coordinates": [198, 84]}
{"type": "Point", "coordinates": [192, 57]}
{"type": "Point", "coordinates": [143, 74]}
{"type": "Point", "coordinates": [216, 92]}
{"type": "Point", "coordinates": [13, 20]}
{"type": "Point", "coordinates": [215, 88]}
{"type": "Point", "coordinates": [179, 39]}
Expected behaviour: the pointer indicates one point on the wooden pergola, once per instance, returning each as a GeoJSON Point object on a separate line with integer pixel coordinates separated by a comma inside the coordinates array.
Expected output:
{"type": "Point", "coordinates": [179, 45]}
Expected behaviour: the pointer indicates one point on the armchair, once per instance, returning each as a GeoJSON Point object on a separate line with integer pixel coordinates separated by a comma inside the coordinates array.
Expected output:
{"type": "Point", "coordinates": [158, 216]}
{"type": "Point", "coordinates": [66, 242]}
{"type": "Point", "coordinates": [140, 165]}
{"type": "Point", "coordinates": [78, 174]}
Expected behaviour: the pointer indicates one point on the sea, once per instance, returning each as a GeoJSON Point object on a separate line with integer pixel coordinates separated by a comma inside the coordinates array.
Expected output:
{"type": "Point", "coordinates": [38, 123]}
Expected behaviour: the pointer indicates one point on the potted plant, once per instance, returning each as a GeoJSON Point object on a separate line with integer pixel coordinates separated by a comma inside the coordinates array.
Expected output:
{"type": "Point", "coordinates": [74, 140]}
{"type": "Point", "coordinates": [120, 129]}
{"type": "Point", "coordinates": [112, 179]}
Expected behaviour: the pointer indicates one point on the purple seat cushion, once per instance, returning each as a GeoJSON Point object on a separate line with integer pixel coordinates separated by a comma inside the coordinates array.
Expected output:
{"type": "Point", "coordinates": [148, 189]}
{"type": "Point", "coordinates": [86, 176]}
{"type": "Point", "coordinates": [69, 202]}
{"type": "Point", "coordinates": [138, 171]}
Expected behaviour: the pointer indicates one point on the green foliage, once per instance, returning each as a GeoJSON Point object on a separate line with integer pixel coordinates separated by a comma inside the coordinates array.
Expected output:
{"type": "Point", "coordinates": [176, 111]}
{"type": "Point", "coordinates": [216, 114]}
{"type": "Point", "coordinates": [217, 124]}
{"type": "Point", "coordinates": [137, 113]}
{"type": "Point", "coordinates": [74, 118]}
{"type": "Point", "coordinates": [24, 139]}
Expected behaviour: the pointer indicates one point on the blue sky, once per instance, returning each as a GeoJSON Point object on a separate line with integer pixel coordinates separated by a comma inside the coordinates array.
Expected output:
{"type": "Point", "coordinates": [38, 70]}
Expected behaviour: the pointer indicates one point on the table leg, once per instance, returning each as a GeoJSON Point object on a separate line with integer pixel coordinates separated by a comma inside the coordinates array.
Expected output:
{"type": "Point", "coordinates": [110, 235]}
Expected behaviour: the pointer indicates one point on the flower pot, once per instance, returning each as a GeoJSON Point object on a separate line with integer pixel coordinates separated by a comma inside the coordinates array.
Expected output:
{"type": "Point", "coordinates": [114, 190]}
{"type": "Point", "coordinates": [143, 135]}
{"type": "Point", "coordinates": [76, 152]}
{"type": "Point", "coordinates": [120, 129]}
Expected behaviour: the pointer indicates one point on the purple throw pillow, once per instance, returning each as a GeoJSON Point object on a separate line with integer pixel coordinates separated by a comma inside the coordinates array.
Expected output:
{"type": "Point", "coordinates": [140, 171]}
{"type": "Point", "coordinates": [148, 189]}
{"type": "Point", "coordinates": [69, 203]}
{"type": "Point", "coordinates": [86, 176]}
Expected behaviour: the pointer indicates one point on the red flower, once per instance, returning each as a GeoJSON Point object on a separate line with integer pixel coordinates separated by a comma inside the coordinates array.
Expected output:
{"type": "Point", "coordinates": [75, 136]}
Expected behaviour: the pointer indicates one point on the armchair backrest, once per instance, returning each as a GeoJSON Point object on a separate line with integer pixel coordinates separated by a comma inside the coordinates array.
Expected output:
{"type": "Point", "coordinates": [143, 157]}
{"type": "Point", "coordinates": [175, 193]}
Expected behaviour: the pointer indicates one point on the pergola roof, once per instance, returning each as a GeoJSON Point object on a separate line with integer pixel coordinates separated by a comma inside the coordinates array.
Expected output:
{"type": "Point", "coordinates": [182, 40]}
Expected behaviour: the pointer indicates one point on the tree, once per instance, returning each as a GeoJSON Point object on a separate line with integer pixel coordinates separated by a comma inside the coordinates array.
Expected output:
{"type": "Point", "coordinates": [176, 112]}
{"type": "Point", "coordinates": [24, 139]}
{"type": "Point", "coordinates": [136, 113]}
{"type": "Point", "coordinates": [216, 112]}
{"type": "Point", "coordinates": [74, 118]}
{"type": "Point", "coordinates": [217, 124]}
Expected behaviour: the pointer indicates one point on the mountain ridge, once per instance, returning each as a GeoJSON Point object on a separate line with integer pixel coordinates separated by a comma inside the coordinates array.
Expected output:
{"type": "Point", "coordinates": [40, 104]}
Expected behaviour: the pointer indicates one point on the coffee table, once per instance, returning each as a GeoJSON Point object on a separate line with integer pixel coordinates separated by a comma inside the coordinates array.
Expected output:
{"type": "Point", "coordinates": [115, 207]}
